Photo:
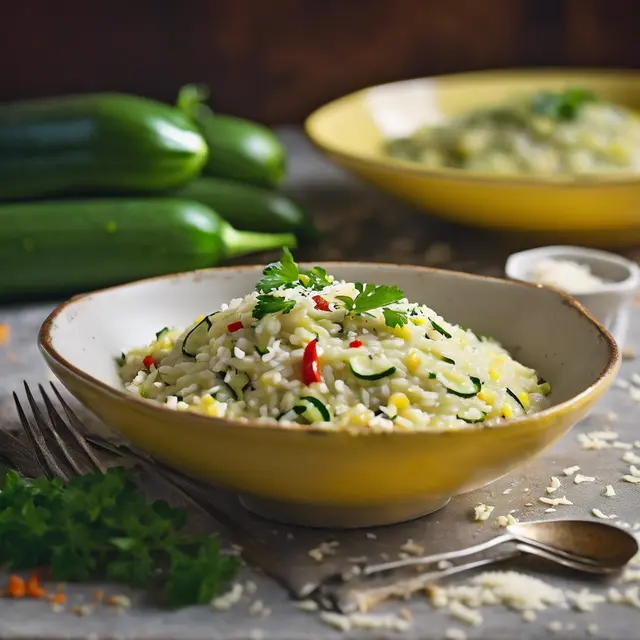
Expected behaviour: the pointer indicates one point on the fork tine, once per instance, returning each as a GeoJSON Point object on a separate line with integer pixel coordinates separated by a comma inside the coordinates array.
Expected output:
{"type": "Point", "coordinates": [46, 460]}
{"type": "Point", "coordinates": [58, 430]}
{"type": "Point", "coordinates": [74, 428]}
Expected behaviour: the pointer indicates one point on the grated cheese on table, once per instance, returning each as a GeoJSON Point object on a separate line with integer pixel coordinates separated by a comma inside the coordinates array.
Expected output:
{"type": "Point", "coordinates": [579, 478]}
{"type": "Point", "coordinates": [482, 512]}
{"type": "Point", "coordinates": [609, 492]}
{"type": "Point", "coordinates": [598, 514]}
{"type": "Point", "coordinates": [554, 502]}
{"type": "Point", "coordinates": [569, 471]}
{"type": "Point", "coordinates": [228, 599]}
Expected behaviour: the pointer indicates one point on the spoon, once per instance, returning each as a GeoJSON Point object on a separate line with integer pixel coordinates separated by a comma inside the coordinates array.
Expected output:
{"type": "Point", "coordinates": [601, 546]}
{"type": "Point", "coordinates": [363, 593]}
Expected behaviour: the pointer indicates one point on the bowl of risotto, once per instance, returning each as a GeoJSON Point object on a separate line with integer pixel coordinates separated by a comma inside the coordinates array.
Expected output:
{"type": "Point", "coordinates": [341, 395]}
{"type": "Point", "coordinates": [553, 152]}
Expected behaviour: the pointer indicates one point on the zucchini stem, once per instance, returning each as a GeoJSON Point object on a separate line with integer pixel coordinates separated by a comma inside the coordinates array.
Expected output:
{"type": "Point", "coordinates": [239, 243]}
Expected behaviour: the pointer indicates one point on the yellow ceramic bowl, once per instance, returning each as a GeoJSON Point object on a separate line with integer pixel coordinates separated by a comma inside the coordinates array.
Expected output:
{"type": "Point", "coordinates": [307, 475]}
{"type": "Point", "coordinates": [351, 131]}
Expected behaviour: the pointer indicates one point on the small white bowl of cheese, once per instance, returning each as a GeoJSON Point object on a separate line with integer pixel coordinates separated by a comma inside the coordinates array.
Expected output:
{"type": "Point", "coordinates": [605, 283]}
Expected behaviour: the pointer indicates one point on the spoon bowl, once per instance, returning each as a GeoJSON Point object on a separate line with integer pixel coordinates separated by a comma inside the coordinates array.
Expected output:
{"type": "Point", "coordinates": [595, 542]}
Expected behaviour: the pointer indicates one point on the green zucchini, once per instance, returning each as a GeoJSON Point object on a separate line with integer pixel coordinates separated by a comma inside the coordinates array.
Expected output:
{"type": "Point", "coordinates": [515, 397]}
{"type": "Point", "coordinates": [238, 149]}
{"type": "Point", "coordinates": [312, 410]}
{"type": "Point", "coordinates": [439, 329]}
{"type": "Point", "coordinates": [74, 245]}
{"type": "Point", "coordinates": [104, 143]}
{"type": "Point", "coordinates": [237, 382]}
{"type": "Point", "coordinates": [196, 336]}
{"type": "Point", "coordinates": [467, 417]}
{"type": "Point", "coordinates": [251, 208]}
{"type": "Point", "coordinates": [459, 385]}
{"type": "Point", "coordinates": [365, 368]}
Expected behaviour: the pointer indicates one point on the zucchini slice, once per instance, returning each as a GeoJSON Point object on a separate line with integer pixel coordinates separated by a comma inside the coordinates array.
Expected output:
{"type": "Point", "coordinates": [261, 352]}
{"type": "Point", "coordinates": [439, 329]}
{"type": "Point", "coordinates": [237, 382]}
{"type": "Point", "coordinates": [463, 386]}
{"type": "Point", "coordinates": [544, 387]}
{"type": "Point", "coordinates": [447, 360]}
{"type": "Point", "coordinates": [312, 410]}
{"type": "Point", "coordinates": [162, 333]}
{"type": "Point", "coordinates": [515, 397]}
{"type": "Point", "coordinates": [196, 335]}
{"type": "Point", "coordinates": [468, 416]}
{"type": "Point", "coordinates": [366, 368]}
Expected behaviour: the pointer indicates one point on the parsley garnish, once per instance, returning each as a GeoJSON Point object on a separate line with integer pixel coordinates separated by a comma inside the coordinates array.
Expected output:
{"type": "Point", "coordinates": [564, 105]}
{"type": "Point", "coordinates": [393, 318]}
{"type": "Point", "coordinates": [371, 296]}
{"type": "Point", "coordinates": [439, 329]}
{"type": "Point", "coordinates": [285, 273]}
{"type": "Point", "coordinates": [103, 526]}
{"type": "Point", "coordinates": [268, 303]}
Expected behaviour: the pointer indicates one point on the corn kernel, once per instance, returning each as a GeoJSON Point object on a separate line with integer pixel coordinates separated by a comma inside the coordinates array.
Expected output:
{"type": "Point", "coordinates": [507, 411]}
{"type": "Point", "coordinates": [413, 361]}
{"type": "Point", "coordinates": [399, 400]}
{"type": "Point", "coordinates": [487, 395]}
{"type": "Point", "coordinates": [418, 321]}
{"type": "Point", "coordinates": [402, 332]}
{"type": "Point", "coordinates": [207, 400]}
{"type": "Point", "coordinates": [217, 409]}
{"type": "Point", "coordinates": [523, 396]}
{"type": "Point", "coordinates": [495, 371]}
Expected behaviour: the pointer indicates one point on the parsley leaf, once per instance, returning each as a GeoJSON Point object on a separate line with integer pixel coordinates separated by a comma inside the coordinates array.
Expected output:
{"type": "Point", "coordinates": [268, 303]}
{"type": "Point", "coordinates": [564, 105]}
{"type": "Point", "coordinates": [101, 525]}
{"type": "Point", "coordinates": [393, 318]}
{"type": "Point", "coordinates": [278, 274]}
{"type": "Point", "coordinates": [317, 278]}
{"type": "Point", "coordinates": [371, 296]}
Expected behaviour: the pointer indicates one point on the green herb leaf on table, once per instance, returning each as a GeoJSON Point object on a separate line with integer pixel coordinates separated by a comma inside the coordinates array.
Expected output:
{"type": "Point", "coordinates": [102, 525]}
{"type": "Point", "coordinates": [268, 303]}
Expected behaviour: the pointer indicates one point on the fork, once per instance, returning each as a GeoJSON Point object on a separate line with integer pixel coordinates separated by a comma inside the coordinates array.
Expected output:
{"type": "Point", "coordinates": [62, 451]}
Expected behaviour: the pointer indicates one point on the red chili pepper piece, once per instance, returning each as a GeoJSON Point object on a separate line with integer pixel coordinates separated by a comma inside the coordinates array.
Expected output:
{"type": "Point", "coordinates": [355, 344]}
{"type": "Point", "coordinates": [148, 361]}
{"type": "Point", "coordinates": [321, 303]}
{"type": "Point", "coordinates": [310, 364]}
{"type": "Point", "coordinates": [235, 326]}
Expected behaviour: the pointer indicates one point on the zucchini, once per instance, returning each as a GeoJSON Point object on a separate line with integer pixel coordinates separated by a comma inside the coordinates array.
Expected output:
{"type": "Point", "coordinates": [468, 416]}
{"type": "Point", "coordinates": [515, 397]}
{"type": "Point", "coordinates": [459, 385]}
{"type": "Point", "coordinates": [196, 336]}
{"type": "Point", "coordinates": [261, 352]}
{"type": "Point", "coordinates": [544, 387]}
{"type": "Point", "coordinates": [439, 329]}
{"type": "Point", "coordinates": [447, 360]}
{"type": "Point", "coordinates": [237, 382]}
{"type": "Point", "coordinates": [312, 410]}
{"type": "Point", "coordinates": [103, 143]}
{"type": "Point", "coordinates": [162, 333]}
{"type": "Point", "coordinates": [251, 208]}
{"type": "Point", "coordinates": [238, 149]}
{"type": "Point", "coordinates": [366, 368]}
{"type": "Point", "coordinates": [74, 245]}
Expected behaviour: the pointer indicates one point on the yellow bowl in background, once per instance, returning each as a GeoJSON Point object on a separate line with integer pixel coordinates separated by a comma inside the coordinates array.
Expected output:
{"type": "Point", "coordinates": [600, 210]}
{"type": "Point", "coordinates": [312, 476]}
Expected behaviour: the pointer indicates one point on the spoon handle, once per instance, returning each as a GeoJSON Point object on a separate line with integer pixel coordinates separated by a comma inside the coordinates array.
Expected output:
{"type": "Point", "coordinates": [437, 557]}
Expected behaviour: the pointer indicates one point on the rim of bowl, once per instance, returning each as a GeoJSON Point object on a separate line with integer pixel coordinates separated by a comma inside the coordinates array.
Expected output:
{"type": "Point", "coordinates": [515, 269]}
{"type": "Point", "coordinates": [393, 165]}
{"type": "Point", "coordinates": [45, 343]}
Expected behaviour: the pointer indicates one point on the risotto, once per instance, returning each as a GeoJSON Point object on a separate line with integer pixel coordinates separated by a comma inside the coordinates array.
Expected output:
{"type": "Point", "coordinates": [305, 348]}
{"type": "Point", "coordinates": [570, 132]}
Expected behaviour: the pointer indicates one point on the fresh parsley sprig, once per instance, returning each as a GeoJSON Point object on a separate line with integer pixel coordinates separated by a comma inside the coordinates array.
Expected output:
{"type": "Point", "coordinates": [563, 105]}
{"type": "Point", "coordinates": [268, 303]}
{"type": "Point", "coordinates": [286, 273]}
{"type": "Point", "coordinates": [101, 525]}
{"type": "Point", "coordinates": [370, 297]}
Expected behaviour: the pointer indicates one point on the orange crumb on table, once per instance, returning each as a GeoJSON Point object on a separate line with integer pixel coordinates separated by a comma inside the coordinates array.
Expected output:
{"type": "Point", "coordinates": [16, 587]}
{"type": "Point", "coordinates": [5, 333]}
{"type": "Point", "coordinates": [58, 598]}
{"type": "Point", "coordinates": [98, 595]}
{"type": "Point", "coordinates": [33, 587]}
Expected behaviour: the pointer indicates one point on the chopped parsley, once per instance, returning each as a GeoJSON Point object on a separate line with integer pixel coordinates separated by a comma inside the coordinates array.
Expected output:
{"type": "Point", "coordinates": [101, 525]}
{"type": "Point", "coordinates": [268, 303]}
{"type": "Point", "coordinates": [316, 278]}
{"type": "Point", "coordinates": [439, 329]}
{"type": "Point", "coordinates": [564, 105]}
{"type": "Point", "coordinates": [161, 333]}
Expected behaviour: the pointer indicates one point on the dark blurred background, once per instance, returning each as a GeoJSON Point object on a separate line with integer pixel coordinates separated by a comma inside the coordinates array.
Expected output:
{"type": "Point", "coordinates": [276, 60]}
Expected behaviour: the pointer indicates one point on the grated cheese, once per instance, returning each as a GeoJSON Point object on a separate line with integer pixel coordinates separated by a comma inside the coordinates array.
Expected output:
{"type": "Point", "coordinates": [554, 486]}
{"type": "Point", "coordinates": [630, 458]}
{"type": "Point", "coordinates": [598, 514]}
{"type": "Point", "coordinates": [569, 471]}
{"type": "Point", "coordinates": [568, 275]}
{"type": "Point", "coordinates": [228, 599]}
{"type": "Point", "coordinates": [579, 478]}
{"type": "Point", "coordinates": [482, 512]}
{"type": "Point", "coordinates": [609, 491]}
{"type": "Point", "coordinates": [554, 502]}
